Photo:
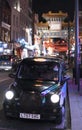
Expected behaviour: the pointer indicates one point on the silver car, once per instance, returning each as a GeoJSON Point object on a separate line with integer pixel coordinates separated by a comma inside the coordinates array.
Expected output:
{"type": "Point", "coordinates": [6, 62]}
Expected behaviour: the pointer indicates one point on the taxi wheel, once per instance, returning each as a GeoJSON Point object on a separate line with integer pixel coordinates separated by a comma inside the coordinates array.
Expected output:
{"type": "Point", "coordinates": [59, 118]}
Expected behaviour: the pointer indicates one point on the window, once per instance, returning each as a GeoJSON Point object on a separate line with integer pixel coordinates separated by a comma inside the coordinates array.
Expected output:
{"type": "Point", "coordinates": [39, 71]}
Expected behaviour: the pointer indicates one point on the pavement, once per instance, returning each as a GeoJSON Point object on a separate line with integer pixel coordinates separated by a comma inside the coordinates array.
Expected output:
{"type": "Point", "coordinates": [75, 101]}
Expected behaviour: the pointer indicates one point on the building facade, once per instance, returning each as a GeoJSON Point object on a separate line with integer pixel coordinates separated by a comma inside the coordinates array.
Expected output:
{"type": "Point", "coordinates": [21, 19]}
{"type": "Point", "coordinates": [15, 19]}
{"type": "Point", "coordinates": [5, 21]}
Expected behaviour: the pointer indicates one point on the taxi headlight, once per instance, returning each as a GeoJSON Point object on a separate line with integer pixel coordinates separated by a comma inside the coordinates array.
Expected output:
{"type": "Point", "coordinates": [9, 95]}
{"type": "Point", "coordinates": [55, 98]}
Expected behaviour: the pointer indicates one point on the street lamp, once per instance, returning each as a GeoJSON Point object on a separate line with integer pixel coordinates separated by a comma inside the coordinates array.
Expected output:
{"type": "Point", "coordinates": [77, 50]}
{"type": "Point", "coordinates": [68, 40]}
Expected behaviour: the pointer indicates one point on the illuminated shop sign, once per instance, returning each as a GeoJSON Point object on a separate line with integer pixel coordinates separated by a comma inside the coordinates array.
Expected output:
{"type": "Point", "coordinates": [5, 25]}
{"type": "Point", "coordinates": [1, 49]}
{"type": "Point", "coordinates": [5, 45]}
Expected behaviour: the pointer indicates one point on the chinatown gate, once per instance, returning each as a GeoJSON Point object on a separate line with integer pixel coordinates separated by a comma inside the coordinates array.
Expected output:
{"type": "Point", "coordinates": [55, 27]}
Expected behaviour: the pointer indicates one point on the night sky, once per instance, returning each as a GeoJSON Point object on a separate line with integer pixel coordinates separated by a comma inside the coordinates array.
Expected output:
{"type": "Point", "coordinates": [43, 6]}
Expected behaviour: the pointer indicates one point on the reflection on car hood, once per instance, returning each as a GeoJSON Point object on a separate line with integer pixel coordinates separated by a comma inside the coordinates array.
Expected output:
{"type": "Point", "coordinates": [37, 85]}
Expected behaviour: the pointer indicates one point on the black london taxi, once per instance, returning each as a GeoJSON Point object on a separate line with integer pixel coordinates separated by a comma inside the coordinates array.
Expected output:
{"type": "Point", "coordinates": [39, 90]}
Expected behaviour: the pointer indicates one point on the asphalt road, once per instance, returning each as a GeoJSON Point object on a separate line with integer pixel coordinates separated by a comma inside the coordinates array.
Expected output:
{"type": "Point", "coordinates": [21, 124]}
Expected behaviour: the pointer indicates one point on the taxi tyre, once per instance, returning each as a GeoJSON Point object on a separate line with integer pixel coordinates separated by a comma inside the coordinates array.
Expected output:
{"type": "Point", "coordinates": [9, 116]}
{"type": "Point", "coordinates": [6, 116]}
{"type": "Point", "coordinates": [59, 118]}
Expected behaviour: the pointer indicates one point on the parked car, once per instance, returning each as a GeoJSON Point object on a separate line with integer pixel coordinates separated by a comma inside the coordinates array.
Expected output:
{"type": "Point", "coordinates": [39, 90]}
{"type": "Point", "coordinates": [6, 61]}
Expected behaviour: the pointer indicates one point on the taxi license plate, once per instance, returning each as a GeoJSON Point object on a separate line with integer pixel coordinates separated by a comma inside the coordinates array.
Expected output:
{"type": "Point", "coordinates": [29, 116]}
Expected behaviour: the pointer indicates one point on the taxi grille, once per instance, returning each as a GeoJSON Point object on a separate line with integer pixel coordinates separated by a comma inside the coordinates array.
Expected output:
{"type": "Point", "coordinates": [30, 101]}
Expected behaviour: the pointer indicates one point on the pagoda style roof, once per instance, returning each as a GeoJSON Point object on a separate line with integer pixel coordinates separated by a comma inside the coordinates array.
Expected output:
{"type": "Point", "coordinates": [41, 24]}
{"type": "Point", "coordinates": [50, 14]}
{"type": "Point", "coordinates": [65, 24]}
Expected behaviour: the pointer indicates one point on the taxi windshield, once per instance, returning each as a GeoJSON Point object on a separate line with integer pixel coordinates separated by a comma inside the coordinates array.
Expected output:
{"type": "Point", "coordinates": [44, 71]}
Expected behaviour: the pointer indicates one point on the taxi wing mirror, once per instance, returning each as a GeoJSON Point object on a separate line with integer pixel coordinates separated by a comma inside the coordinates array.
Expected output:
{"type": "Point", "coordinates": [12, 75]}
